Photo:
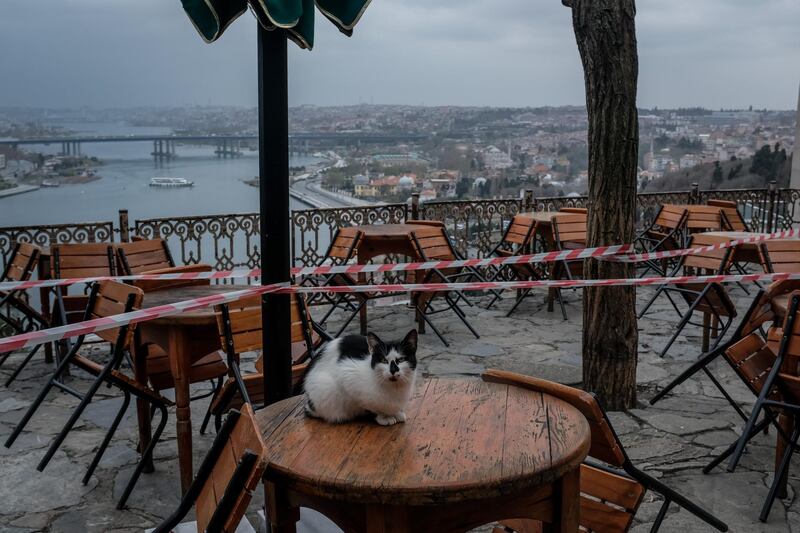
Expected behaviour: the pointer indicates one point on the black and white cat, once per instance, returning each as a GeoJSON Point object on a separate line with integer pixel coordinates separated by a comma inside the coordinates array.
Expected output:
{"type": "Point", "coordinates": [356, 375]}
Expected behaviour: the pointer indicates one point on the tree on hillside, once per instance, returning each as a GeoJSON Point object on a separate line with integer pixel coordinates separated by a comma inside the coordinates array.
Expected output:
{"type": "Point", "coordinates": [716, 177]}
{"type": "Point", "coordinates": [605, 32]}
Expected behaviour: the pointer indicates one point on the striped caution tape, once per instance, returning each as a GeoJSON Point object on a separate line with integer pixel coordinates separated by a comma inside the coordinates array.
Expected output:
{"type": "Point", "coordinates": [618, 252]}
{"type": "Point", "coordinates": [91, 326]}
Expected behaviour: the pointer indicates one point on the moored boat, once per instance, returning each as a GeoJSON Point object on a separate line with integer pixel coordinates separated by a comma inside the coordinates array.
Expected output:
{"type": "Point", "coordinates": [170, 182]}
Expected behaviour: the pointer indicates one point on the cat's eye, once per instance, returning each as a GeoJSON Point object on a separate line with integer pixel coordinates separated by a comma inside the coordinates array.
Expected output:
{"type": "Point", "coordinates": [400, 359]}
{"type": "Point", "coordinates": [384, 360]}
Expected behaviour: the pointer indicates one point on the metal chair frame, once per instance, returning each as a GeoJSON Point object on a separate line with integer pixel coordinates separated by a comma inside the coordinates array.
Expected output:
{"type": "Point", "coordinates": [506, 247]}
{"type": "Point", "coordinates": [672, 236]}
{"type": "Point", "coordinates": [106, 376]}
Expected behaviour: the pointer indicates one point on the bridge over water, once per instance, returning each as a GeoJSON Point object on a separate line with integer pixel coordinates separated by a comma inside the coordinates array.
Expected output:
{"type": "Point", "coordinates": [226, 145]}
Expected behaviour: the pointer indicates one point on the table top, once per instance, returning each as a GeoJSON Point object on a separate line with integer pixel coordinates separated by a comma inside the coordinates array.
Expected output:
{"type": "Point", "coordinates": [543, 216]}
{"type": "Point", "coordinates": [388, 231]}
{"type": "Point", "coordinates": [464, 439]}
{"type": "Point", "coordinates": [197, 317]}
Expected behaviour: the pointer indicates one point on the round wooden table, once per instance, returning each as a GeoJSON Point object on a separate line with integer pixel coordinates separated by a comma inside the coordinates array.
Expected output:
{"type": "Point", "coordinates": [469, 454]}
{"type": "Point", "coordinates": [186, 337]}
{"type": "Point", "coordinates": [384, 239]}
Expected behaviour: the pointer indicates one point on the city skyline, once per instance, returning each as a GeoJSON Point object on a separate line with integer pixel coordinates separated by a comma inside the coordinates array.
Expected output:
{"type": "Point", "coordinates": [722, 53]}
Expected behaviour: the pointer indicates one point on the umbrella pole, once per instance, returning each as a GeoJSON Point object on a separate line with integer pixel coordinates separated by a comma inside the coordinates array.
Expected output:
{"type": "Point", "coordinates": [273, 165]}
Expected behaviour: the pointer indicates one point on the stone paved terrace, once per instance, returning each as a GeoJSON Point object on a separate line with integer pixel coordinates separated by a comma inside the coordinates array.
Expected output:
{"type": "Point", "coordinates": [672, 440]}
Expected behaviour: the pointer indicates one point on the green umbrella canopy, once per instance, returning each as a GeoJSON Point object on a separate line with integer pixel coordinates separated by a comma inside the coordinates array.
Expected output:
{"type": "Point", "coordinates": [212, 17]}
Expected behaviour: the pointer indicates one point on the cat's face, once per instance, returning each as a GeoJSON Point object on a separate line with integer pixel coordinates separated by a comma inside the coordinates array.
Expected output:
{"type": "Point", "coordinates": [394, 362]}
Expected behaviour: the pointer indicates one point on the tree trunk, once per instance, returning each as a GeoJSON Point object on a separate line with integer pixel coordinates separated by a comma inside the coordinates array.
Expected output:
{"type": "Point", "coordinates": [606, 37]}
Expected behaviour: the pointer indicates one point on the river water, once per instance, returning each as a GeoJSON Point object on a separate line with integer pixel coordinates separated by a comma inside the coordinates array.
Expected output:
{"type": "Point", "coordinates": [124, 184]}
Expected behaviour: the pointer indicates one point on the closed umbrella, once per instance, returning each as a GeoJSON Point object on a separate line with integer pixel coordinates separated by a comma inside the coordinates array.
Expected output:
{"type": "Point", "coordinates": [278, 19]}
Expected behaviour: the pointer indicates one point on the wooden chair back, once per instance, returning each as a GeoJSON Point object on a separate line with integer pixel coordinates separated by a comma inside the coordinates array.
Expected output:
{"type": "Point", "coordinates": [573, 210]}
{"type": "Point", "coordinates": [83, 260]}
{"type": "Point", "coordinates": [344, 245]}
{"type": "Point", "coordinates": [79, 261]}
{"type": "Point", "coordinates": [22, 262]}
{"type": "Point", "coordinates": [239, 326]}
{"type": "Point", "coordinates": [142, 256]}
{"type": "Point", "coordinates": [704, 218]}
{"type": "Point", "coordinates": [671, 217]}
{"type": "Point", "coordinates": [243, 440]}
{"type": "Point", "coordinates": [732, 219]}
{"type": "Point", "coordinates": [518, 234]}
{"type": "Point", "coordinates": [608, 500]}
{"type": "Point", "coordinates": [710, 262]}
{"type": "Point", "coordinates": [433, 244]}
{"type": "Point", "coordinates": [781, 255]}
{"type": "Point", "coordinates": [111, 299]}
{"type": "Point", "coordinates": [569, 231]}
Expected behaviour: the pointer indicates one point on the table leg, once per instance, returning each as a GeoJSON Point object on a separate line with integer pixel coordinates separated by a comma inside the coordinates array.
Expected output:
{"type": "Point", "coordinates": [386, 519]}
{"type": "Point", "coordinates": [706, 332]}
{"type": "Point", "coordinates": [282, 517]}
{"type": "Point", "coordinates": [180, 363]}
{"type": "Point", "coordinates": [566, 497]}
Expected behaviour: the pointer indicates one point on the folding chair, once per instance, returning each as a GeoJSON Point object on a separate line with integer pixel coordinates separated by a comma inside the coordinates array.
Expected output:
{"type": "Point", "coordinates": [769, 367]}
{"type": "Point", "coordinates": [225, 481]}
{"type": "Point", "coordinates": [711, 299]}
{"type": "Point", "coordinates": [732, 219]}
{"type": "Point", "coordinates": [663, 234]}
{"type": "Point", "coordinates": [433, 244]}
{"type": "Point", "coordinates": [781, 255]}
{"type": "Point", "coordinates": [612, 488]}
{"type": "Point", "coordinates": [516, 240]}
{"type": "Point", "coordinates": [239, 325]}
{"type": "Point", "coordinates": [342, 250]}
{"type": "Point", "coordinates": [105, 299]}
{"type": "Point", "coordinates": [704, 218]}
{"type": "Point", "coordinates": [152, 361]}
{"type": "Point", "coordinates": [14, 310]}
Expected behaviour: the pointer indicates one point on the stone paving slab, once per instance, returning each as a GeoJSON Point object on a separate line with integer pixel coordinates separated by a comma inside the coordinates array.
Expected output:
{"type": "Point", "coordinates": [671, 441]}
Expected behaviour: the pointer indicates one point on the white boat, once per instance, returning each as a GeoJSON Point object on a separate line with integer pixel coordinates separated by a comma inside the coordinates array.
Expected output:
{"type": "Point", "coordinates": [170, 182]}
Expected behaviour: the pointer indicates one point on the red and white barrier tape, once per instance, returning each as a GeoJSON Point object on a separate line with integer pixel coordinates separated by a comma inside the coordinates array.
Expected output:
{"type": "Point", "coordinates": [91, 326]}
{"type": "Point", "coordinates": [544, 257]}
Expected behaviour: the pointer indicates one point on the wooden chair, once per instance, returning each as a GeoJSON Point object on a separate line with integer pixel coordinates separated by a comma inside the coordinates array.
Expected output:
{"type": "Point", "coordinates": [516, 240]}
{"type": "Point", "coordinates": [152, 362]}
{"type": "Point", "coordinates": [782, 255]}
{"type": "Point", "coordinates": [225, 481]}
{"type": "Point", "coordinates": [732, 219]}
{"type": "Point", "coordinates": [710, 299]}
{"type": "Point", "coordinates": [342, 250]}
{"type": "Point", "coordinates": [78, 261]}
{"type": "Point", "coordinates": [704, 218]}
{"type": "Point", "coordinates": [612, 488]}
{"type": "Point", "coordinates": [105, 299]}
{"type": "Point", "coordinates": [574, 210]}
{"type": "Point", "coordinates": [771, 369]}
{"type": "Point", "coordinates": [153, 257]}
{"type": "Point", "coordinates": [239, 325]}
{"type": "Point", "coordinates": [664, 234]}
{"type": "Point", "coordinates": [433, 244]}
{"type": "Point", "coordinates": [15, 311]}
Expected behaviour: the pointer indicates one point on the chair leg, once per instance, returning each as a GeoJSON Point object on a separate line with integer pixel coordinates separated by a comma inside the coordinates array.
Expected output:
{"type": "Point", "coordinates": [662, 513]}
{"type": "Point", "coordinates": [695, 367]}
{"type": "Point", "coordinates": [779, 475]}
{"type": "Point", "coordinates": [207, 417]}
{"type": "Point", "coordinates": [22, 365]}
{"type": "Point", "coordinates": [560, 297]}
{"type": "Point", "coordinates": [38, 401]}
{"type": "Point", "coordinates": [729, 451]}
{"type": "Point", "coordinates": [682, 324]}
{"type": "Point", "coordinates": [352, 316]}
{"type": "Point", "coordinates": [519, 301]}
{"type": "Point", "coordinates": [126, 400]}
{"type": "Point", "coordinates": [434, 328]}
{"type": "Point", "coordinates": [650, 302]}
{"type": "Point", "coordinates": [145, 459]}
{"type": "Point", "coordinates": [460, 314]}
{"type": "Point", "coordinates": [87, 398]}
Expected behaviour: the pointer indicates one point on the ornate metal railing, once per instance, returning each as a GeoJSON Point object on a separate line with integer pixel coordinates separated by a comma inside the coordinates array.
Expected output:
{"type": "Point", "coordinates": [232, 240]}
{"type": "Point", "coordinates": [53, 234]}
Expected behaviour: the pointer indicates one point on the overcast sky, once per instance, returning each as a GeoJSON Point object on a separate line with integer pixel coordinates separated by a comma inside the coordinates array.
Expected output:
{"type": "Point", "coordinates": [119, 53]}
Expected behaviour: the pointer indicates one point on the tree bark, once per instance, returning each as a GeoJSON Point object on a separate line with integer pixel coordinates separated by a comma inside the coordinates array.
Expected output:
{"type": "Point", "coordinates": [606, 37]}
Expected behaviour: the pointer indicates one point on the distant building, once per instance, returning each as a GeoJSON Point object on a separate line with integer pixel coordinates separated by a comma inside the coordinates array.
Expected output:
{"type": "Point", "coordinates": [2, 161]}
{"type": "Point", "coordinates": [495, 158]}
{"type": "Point", "coordinates": [426, 195]}
{"type": "Point", "coordinates": [688, 161]}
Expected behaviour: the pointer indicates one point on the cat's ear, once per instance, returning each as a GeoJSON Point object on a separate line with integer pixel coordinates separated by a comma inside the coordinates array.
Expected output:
{"type": "Point", "coordinates": [373, 342]}
{"type": "Point", "coordinates": [410, 341]}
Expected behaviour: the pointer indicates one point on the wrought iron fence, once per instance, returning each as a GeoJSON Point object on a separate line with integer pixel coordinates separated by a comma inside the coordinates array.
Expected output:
{"type": "Point", "coordinates": [232, 240]}
{"type": "Point", "coordinates": [47, 235]}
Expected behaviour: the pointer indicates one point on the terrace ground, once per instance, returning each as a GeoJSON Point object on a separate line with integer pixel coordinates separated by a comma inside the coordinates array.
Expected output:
{"type": "Point", "coordinates": [672, 440]}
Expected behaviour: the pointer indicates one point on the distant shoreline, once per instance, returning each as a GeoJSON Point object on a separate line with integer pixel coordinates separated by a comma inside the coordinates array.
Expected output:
{"type": "Point", "coordinates": [19, 189]}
